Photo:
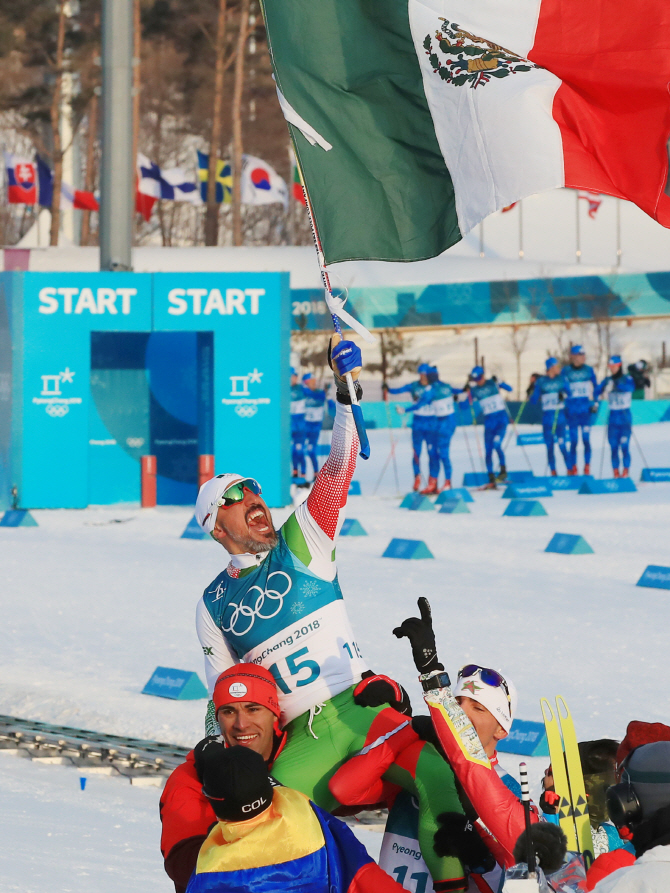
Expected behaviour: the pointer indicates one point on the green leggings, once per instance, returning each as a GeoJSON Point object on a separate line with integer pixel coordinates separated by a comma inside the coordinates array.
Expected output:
{"type": "Point", "coordinates": [307, 763]}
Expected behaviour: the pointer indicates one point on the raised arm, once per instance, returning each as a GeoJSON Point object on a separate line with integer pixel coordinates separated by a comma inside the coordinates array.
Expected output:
{"type": "Point", "coordinates": [312, 529]}
{"type": "Point", "coordinates": [505, 386]}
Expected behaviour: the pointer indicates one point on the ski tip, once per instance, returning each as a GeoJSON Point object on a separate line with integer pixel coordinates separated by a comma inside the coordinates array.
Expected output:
{"type": "Point", "coordinates": [547, 710]}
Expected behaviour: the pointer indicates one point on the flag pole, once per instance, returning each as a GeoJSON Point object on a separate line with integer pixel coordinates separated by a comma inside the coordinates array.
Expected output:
{"type": "Point", "coordinates": [618, 232]}
{"type": "Point", "coordinates": [578, 244]}
{"type": "Point", "coordinates": [355, 405]}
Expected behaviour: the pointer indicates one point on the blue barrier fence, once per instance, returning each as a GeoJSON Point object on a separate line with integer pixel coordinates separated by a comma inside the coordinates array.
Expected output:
{"type": "Point", "coordinates": [377, 414]}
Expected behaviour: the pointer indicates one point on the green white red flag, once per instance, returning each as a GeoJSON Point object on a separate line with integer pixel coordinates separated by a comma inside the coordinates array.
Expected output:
{"type": "Point", "coordinates": [413, 120]}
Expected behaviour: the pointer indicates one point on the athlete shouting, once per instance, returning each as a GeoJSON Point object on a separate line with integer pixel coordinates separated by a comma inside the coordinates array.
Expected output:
{"type": "Point", "coordinates": [279, 604]}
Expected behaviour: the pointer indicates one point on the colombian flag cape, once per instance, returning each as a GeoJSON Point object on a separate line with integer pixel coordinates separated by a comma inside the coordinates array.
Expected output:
{"type": "Point", "coordinates": [293, 846]}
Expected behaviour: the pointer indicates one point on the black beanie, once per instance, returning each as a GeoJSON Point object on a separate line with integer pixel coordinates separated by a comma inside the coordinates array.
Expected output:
{"type": "Point", "coordinates": [237, 784]}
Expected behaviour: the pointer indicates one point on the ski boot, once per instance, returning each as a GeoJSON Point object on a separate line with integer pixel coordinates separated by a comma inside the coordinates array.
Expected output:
{"type": "Point", "coordinates": [417, 484]}
{"type": "Point", "coordinates": [587, 468]}
{"type": "Point", "coordinates": [616, 473]}
{"type": "Point", "coordinates": [502, 474]}
{"type": "Point", "coordinates": [445, 486]}
{"type": "Point", "coordinates": [431, 488]}
{"type": "Point", "coordinates": [572, 471]}
{"type": "Point", "coordinates": [625, 472]}
{"type": "Point", "coordinates": [492, 485]}
{"type": "Point", "coordinates": [554, 473]}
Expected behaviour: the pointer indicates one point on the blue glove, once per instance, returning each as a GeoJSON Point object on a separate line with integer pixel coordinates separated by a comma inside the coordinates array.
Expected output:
{"type": "Point", "coordinates": [346, 357]}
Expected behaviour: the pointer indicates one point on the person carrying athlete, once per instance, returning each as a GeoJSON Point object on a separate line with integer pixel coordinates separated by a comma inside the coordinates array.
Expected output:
{"type": "Point", "coordinates": [297, 426]}
{"type": "Point", "coordinates": [487, 393]}
{"type": "Point", "coordinates": [580, 406]}
{"type": "Point", "coordinates": [315, 404]}
{"type": "Point", "coordinates": [550, 391]}
{"type": "Point", "coordinates": [279, 604]}
{"type": "Point", "coordinates": [618, 387]}
{"type": "Point", "coordinates": [423, 422]}
{"type": "Point", "coordinates": [440, 396]}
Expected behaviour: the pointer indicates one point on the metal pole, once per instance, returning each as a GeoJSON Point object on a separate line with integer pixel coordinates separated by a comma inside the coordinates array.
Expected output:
{"type": "Point", "coordinates": [521, 252]}
{"type": "Point", "coordinates": [481, 239]}
{"type": "Point", "coordinates": [117, 174]}
{"type": "Point", "coordinates": [618, 232]}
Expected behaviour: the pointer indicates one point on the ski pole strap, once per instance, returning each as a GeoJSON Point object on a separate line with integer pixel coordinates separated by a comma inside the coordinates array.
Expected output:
{"type": "Point", "coordinates": [525, 799]}
{"type": "Point", "coordinates": [356, 410]}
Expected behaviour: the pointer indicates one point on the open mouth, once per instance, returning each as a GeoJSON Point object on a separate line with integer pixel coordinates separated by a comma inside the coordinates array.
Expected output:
{"type": "Point", "coordinates": [245, 739]}
{"type": "Point", "coordinates": [257, 521]}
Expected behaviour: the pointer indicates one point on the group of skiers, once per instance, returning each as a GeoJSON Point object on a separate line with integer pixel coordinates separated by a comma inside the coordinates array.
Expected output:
{"type": "Point", "coordinates": [569, 398]}
{"type": "Point", "coordinates": [300, 730]}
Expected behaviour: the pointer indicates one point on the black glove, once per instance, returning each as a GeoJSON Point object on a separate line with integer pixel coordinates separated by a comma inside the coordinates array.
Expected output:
{"type": "Point", "coordinates": [374, 690]}
{"type": "Point", "coordinates": [594, 407]}
{"type": "Point", "coordinates": [549, 843]}
{"type": "Point", "coordinates": [421, 638]}
{"type": "Point", "coordinates": [207, 752]}
{"type": "Point", "coordinates": [457, 837]}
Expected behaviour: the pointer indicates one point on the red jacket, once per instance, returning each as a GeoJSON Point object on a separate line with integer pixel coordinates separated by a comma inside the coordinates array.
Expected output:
{"type": "Point", "coordinates": [186, 818]}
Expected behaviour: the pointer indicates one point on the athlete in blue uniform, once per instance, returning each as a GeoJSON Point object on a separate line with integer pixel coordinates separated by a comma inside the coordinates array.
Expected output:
{"type": "Point", "coordinates": [487, 393]}
{"type": "Point", "coordinates": [315, 403]}
{"type": "Point", "coordinates": [580, 405]}
{"type": "Point", "coordinates": [440, 396]}
{"type": "Point", "coordinates": [550, 391]}
{"type": "Point", "coordinates": [297, 425]}
{"type": "Point", "coordinates": [423, 420]}
{"type": "Point", "coordinates": [619, 387]}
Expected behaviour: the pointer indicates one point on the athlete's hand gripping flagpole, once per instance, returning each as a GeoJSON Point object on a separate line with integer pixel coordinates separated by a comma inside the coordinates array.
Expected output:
{"type": "Point", "coordinates": [337, 312]}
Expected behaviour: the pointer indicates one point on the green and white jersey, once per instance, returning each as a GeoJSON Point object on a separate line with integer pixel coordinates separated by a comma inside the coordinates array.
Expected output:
{"type": "Point", "coordinates": [284, 609]}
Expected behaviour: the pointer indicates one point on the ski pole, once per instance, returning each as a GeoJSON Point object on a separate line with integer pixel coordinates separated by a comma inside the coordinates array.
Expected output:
{"type": "Point", "coordinates": [606, 427]}
{"type": "Point", "coordinates": [514, 424]}
{"type": "Point", "coordinates": [467, 443]}
{"type": "Point", "coordinates": [632, 431]}
{"type": "Point", "coordinates": [523, 448]}
{"type": "Point", "coordinates": [356, 410]}
{"type": "Point", "coordinates": [525, 799]}
{"type": "Point", "coordinates": [474, 425]}
{"type": "Point", "coordinates": [390, 424]}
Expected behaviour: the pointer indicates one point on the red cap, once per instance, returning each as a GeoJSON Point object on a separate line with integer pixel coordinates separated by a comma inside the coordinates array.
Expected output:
{"type": "Point", "coordinates": [246, 682]}
{"type": "Point", "coordinates": [639, 733]}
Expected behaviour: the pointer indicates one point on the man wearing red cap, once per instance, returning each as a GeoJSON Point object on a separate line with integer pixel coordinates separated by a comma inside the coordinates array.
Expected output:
{"type": "Point", "coordinates": [247, 710]}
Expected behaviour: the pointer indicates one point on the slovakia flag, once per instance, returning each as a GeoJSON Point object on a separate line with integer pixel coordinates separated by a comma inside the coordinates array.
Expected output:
{"type": "Point", "coordinates": [21, 180]}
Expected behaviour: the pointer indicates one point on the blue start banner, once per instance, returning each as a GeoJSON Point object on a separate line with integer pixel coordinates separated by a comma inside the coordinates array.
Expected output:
{"type": "Point", "coordinates": [107, 367]}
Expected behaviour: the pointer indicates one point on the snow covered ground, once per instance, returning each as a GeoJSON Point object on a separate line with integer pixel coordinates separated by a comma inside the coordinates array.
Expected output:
{"type": "Point", "coordinates": [92, 601]}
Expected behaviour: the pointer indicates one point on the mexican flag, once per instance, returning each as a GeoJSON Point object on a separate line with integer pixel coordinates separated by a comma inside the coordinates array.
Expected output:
{"type": "Point", "coordinates": [413, 120]}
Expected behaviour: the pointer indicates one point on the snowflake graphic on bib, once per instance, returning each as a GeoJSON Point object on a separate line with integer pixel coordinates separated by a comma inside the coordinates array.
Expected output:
{"type": "Point", "coordinates": [309, 589]}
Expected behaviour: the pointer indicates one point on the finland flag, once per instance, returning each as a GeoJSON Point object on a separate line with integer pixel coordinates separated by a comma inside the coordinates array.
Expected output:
{"type": "Point", "coordinates": [173, 184]}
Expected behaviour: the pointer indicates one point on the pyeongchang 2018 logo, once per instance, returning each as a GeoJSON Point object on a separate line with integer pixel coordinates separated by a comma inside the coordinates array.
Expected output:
{"type": "Point", "coordinates": [268, 604]}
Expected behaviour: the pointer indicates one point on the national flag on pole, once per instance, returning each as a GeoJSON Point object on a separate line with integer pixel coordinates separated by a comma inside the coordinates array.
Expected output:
{"type": "Point", "coordinates": [21, 180]}
{"type": "Point", "coordinates": [414, 120]}
{"type": "Point", "coordinates": [173, 184]}
{"type": "Point", "coordinates": [298, 191]}
{"type": "Point", "coordinates": [224, 179]}
{"type": "Point", "coordinates": [261, 184]}
{"type": "Point", "coordinates": [594, 200]}
{"type": "Point", "coordinates": [70, 198]}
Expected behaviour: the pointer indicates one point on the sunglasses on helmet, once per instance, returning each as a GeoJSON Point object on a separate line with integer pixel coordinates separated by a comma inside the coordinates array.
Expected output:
{"type": "Point", "coordinates": [235, 493]}
{"type": "Point", "coordinates": [488, 677]}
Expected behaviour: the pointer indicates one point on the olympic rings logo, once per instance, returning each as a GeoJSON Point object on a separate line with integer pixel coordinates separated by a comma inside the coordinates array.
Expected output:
{"type": "Point", "coordinates": [246, 411]}
{"type": "Point", "coordinates": [57, 410]}
{"type": "Point", "coordinates": [252, 612]}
